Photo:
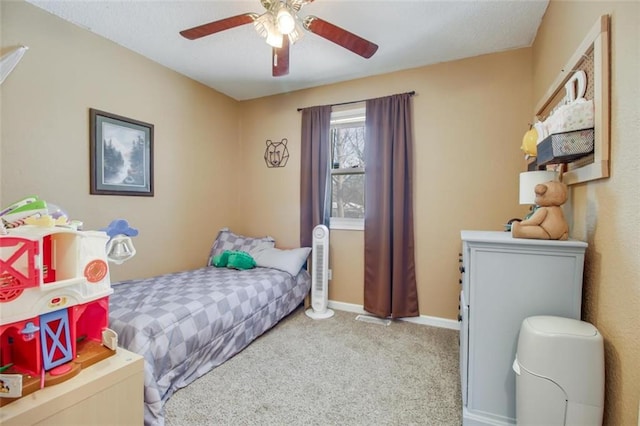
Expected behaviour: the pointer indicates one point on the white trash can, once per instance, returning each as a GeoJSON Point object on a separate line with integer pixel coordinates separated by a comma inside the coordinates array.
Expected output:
{"type": "Point", "coordinates": [559, 369]}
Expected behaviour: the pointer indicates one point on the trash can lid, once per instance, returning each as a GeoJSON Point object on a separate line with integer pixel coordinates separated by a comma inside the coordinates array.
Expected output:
{"type": "Point", "coordinates": [558, 325]}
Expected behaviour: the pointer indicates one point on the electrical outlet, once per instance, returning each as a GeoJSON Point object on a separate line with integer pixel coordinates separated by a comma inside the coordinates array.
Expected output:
{"type": "Point", "coordinates": [329, 275]}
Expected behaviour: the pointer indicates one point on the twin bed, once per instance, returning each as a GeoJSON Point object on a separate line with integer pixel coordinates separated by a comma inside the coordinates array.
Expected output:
{"type": "Point", "coordinates": [185, 324]}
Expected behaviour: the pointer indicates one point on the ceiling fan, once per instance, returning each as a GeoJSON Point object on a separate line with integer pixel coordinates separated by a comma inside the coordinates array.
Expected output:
{"type": "Point", "coordinates": [281, 27]}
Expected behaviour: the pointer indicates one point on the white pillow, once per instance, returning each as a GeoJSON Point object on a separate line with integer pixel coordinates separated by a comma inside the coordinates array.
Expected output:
{"type": "Point", "coordinates": [290, 261]}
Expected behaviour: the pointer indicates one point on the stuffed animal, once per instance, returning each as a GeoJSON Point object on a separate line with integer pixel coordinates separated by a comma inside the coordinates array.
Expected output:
{"type": "Point", "coordinates": [233, 259]}
{"type": "Point", "coordinates": [547, 222]}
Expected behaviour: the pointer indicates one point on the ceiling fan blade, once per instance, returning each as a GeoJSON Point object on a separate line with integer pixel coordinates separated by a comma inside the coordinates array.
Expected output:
{"type": "Point", "coordinates": [217, 26]}
{"type": "Point", "coordinates": [280, 59]}
{"type": "Point", "coordinates": [340, 36]}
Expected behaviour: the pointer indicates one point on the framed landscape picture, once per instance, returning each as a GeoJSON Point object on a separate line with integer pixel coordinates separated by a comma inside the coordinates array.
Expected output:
{"type": "Point", "coordinates": [121, 151]}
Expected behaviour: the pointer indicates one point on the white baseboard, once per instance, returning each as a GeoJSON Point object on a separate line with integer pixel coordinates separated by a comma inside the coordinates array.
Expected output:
{"type": "Point", "coordinates": [422, 319]}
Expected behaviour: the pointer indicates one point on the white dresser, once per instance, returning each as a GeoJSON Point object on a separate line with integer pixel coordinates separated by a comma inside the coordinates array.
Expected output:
{"type": "Point", "coordinates": [505, 280]}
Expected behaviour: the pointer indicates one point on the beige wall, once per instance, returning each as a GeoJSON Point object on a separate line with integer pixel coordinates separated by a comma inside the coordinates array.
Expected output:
{"type": "Point", "coordinates": [45, 138]}
{"type": "Point", "coordinates": [469, 118]}
{"type": "Point", "coordinates": [605, 212]}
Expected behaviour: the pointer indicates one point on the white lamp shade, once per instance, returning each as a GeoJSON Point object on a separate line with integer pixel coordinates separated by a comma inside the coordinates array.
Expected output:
{"type": "Point", "coordinates": [285, 21]}
{"type": "Point", "coordinates": [528, 182]}
{"type": "Point", "coordinates": [274, 39]}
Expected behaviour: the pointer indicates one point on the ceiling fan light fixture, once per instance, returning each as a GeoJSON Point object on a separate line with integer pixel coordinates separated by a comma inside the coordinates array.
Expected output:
{"type": "Point", "coordinates": [285, 20]}
{"type": "Point", "coordinates": [274, 39]}
{"type": "Point", "coordinates": [266, 28]}
{"type": "Point", "coordinates": [262, 24]}
{"type": "Point", "coordinates": [296, 34]}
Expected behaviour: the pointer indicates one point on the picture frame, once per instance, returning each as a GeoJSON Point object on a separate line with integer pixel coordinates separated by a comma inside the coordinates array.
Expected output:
{"type": "Point", "coordinates": [121, 155]}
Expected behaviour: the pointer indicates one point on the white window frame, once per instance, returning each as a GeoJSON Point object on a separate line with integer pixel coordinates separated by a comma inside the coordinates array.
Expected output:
{"type": "Point", "coordinates": [344, 115]}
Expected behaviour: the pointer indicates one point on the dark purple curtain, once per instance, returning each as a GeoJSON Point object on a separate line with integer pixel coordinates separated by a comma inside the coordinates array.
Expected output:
{"type": "Point", "coordinates": [389, 270]}
{"type": "Point", "coordinates": [314, 170]}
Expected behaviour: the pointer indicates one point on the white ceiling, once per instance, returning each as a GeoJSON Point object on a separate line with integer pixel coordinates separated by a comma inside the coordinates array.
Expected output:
{"type": "Point", "coordinates": [237, 62]}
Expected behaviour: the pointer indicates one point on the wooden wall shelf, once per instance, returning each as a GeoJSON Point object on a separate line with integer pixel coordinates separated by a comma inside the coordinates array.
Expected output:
{"type": "Point", "coordinates": [593, 57]}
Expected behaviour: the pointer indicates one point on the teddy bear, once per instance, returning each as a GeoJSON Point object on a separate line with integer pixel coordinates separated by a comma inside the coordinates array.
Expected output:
{"type": "Point", "coordinates": [547, 221]}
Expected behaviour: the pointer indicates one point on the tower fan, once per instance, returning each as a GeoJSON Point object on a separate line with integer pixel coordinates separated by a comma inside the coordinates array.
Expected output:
{"type": "Point", "coordinates": [320, 275]}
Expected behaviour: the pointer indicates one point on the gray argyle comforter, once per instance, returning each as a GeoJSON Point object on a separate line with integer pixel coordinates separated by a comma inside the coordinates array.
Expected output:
{"type": "Point", "coordinates": [187, 323]}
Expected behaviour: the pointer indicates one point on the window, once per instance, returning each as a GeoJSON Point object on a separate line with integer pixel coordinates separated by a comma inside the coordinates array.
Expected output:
{"type": "Point", "coordinates": [347, 167]}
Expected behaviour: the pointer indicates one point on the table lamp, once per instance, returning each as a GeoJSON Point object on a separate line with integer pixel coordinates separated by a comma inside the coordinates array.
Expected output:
{"type": "Point", "coordinates": [528, 182]}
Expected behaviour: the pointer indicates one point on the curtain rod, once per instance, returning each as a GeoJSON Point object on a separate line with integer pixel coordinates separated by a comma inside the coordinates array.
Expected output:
{"type": "Point", "coordinates": [411, 93]}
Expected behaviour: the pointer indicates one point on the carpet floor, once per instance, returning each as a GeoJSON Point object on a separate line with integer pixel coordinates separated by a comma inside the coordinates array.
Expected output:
{"type": "Point", "coordinates": [337, 371]}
